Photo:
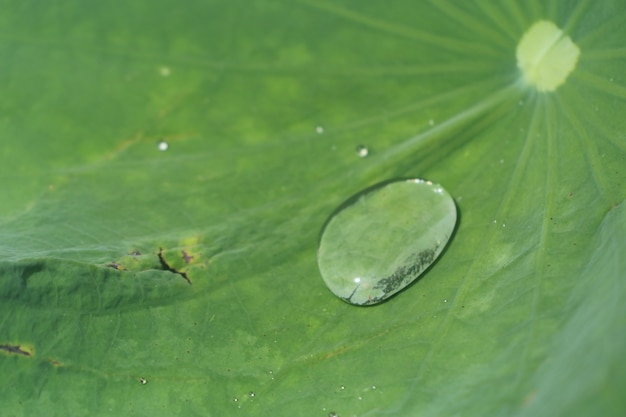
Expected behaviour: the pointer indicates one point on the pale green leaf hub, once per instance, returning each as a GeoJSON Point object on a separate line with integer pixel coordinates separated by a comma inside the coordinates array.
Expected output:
{"type": "Point", "coordinates": [384, 238]}
{"type": "Point", "coordinates": [546, 56]}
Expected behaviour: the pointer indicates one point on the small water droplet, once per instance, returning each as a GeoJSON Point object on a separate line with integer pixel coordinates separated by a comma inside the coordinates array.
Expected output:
{"type": "Point", "coordinates": [495, 221]}
{"type": "Point", "coordinates": [342, 387]}
{"type": "Point", "coordinates": [373, 386]}
{"type": "Point", "coordinates": [445, 300]}
{"type": "Point", "coordinates": [162, 145]}
{"type": "Point", "coordinates": [251, 394]}
{"type": "Point", "coordinates": [431, 122]}
{"type": "Point", "coordinates": [165, 71]}
{"type": "Point", "coordinates": [143, 381]}
{"type": "Point", "coordinates": [319, 130]}
{"type": "Point", "coordinates": [501, 161]}
{"type": "Point", "coordinates": [331, 414]}
{"type": "Point", "coordinates": [235, 399]}
{"type": "Point", "coordinates": [360, 398]}
{"type": "Point", "coordinates": [503, 225]}
{"type": "Point", "coordinates": [411, 220]}
{"type": "Point", "coordinates": [362, 151]}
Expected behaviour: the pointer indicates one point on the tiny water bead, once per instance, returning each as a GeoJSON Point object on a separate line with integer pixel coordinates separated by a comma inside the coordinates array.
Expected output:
{"type": "Point", "coordinates": [362, 151]}
{"type": "Point", "coordinates": [162, 145]}
{"type": "Point", "coordinates": [382, 239]}
{"type": "Point", "coordinates": [165, 71]}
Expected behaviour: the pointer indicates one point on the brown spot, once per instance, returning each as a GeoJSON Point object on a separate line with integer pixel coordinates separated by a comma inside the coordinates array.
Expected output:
{"type": "Point", "coordinates": [115, 265]}
{"type": "Point", "coordinates": [167, 267]}
{"type": "Point", "coordinates": [529, 398]}
{"type": "Point", "coordinates": [336, 352]}
{"type": "Point", "coordinates": [186, 257]}
{"type": "Point", "coordinates": [15, 349]}
{"type": "Point", "coordinates": [55, 362]}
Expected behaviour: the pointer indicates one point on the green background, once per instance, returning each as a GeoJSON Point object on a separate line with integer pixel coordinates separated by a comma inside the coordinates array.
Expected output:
{"type": "Point", "coordinates": [523, 315]}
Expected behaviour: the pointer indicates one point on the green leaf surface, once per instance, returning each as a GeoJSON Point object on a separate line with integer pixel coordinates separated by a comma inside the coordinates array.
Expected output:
{"type": "Point", "coordinates": [136, 281]}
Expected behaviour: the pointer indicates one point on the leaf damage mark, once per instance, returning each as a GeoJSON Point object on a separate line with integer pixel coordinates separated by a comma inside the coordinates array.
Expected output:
{"type": "Point", "coordinates": [187, 257]}
{"type": "Point", "coordinates": [116, 266]}
{"type": "Point", "coordinates": [167, 267]}
{"type": "Point", "coordinates": [15, 350]}
{"type": "Point", "coordinates": [54, 362]}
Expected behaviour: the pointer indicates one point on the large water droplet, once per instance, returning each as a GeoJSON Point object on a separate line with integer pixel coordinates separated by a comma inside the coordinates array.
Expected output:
{"type": "Point", "coordinates": [382, 239]}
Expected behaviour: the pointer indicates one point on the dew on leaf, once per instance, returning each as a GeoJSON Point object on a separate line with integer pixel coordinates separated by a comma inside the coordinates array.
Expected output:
{"type": "Point", "coordinates": [162, 145]}
{"type": "Point", "coordinates": [362, 151]}
{"type": "Point", "coordinates": [382, 239]}
{"type": "Point", "coordinates": [165, 71]}
{"type": "Point", "coordinates": [319, 130]}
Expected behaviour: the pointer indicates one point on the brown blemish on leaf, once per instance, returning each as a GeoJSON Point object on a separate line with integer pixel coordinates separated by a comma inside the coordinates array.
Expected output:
{"type": "Point", "coordinates": [186, 257]}
{"type": "Point", "coordinates": [117, 266]}
{"type": "Point", "coordinates": [54, 362]}
{"type": "Point", "coordinates": [530, 397]}
{"type": "Point", "coordinates": [15, 350]}
{"type": "Point", "coordinates": [167, 267]}
{"type": "Point", "coordinates": [336, 352]}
